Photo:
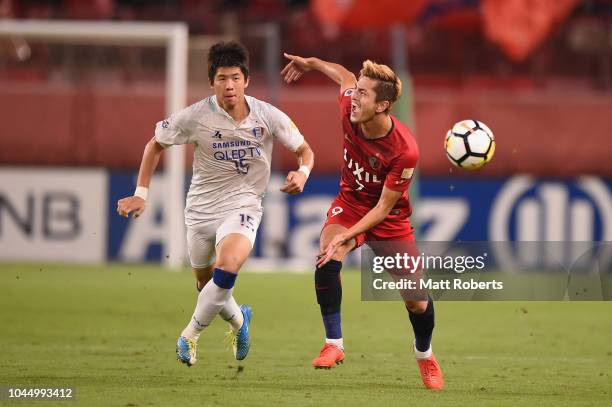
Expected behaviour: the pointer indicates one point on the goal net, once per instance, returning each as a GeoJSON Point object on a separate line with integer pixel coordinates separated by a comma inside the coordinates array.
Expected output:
{"type": "Point", "coordinates": [41, 62]}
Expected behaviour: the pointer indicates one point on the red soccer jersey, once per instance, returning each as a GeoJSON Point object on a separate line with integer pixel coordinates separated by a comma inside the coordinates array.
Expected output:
{"type": "Point", "coordinates": [369, 165]}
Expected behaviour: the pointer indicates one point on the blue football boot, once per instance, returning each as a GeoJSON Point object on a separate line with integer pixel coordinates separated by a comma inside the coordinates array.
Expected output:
{"type": "Point", "coordinates": [186, 350]}
{"type": "Point", "coordinates": [241, 341]}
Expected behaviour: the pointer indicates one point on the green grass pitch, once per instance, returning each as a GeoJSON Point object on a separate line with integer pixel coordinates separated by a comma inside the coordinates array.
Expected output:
{"type": "Point", "coordinates": [109, 331]}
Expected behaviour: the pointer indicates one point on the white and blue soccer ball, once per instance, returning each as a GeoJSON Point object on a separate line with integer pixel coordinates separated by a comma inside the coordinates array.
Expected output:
{"type": "Point", "coordinates": [469, 144]}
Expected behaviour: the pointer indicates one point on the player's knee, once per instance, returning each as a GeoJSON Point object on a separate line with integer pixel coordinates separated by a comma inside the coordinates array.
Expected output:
{"type": "Point", "coordinates": [416, 307]}
{"type": "Point", "coordinates": [232, 251]}
{"type": "Point", "coordinates": [229, 262]}
{"type": "Point", "coordinates": [339, 256]}
{"type": "Point", "coordinates": [341, 252]}
{"type": "Point", "coordinates": [231, 266]}
{"type": "Point", "coordinates": [323, 244]}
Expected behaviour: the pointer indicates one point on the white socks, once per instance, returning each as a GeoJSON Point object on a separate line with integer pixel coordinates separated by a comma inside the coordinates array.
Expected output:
{"type": "Point", "coordinates": [422, 355]}
{"type": "Point", "coordinates": [232, 314]}
{"type": "Point", "coordinates": [338, 342]}
{"type": "Point", "coordinates": [211, 301]}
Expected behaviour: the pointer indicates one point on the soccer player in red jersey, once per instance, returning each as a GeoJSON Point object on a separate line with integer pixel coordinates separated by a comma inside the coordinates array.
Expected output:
{"type": "Point", "coordinates": [380, 155]}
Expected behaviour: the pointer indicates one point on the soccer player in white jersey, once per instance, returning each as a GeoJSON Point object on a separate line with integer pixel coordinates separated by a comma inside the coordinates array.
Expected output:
{"type": "Point", "coordinates": [233, 135]}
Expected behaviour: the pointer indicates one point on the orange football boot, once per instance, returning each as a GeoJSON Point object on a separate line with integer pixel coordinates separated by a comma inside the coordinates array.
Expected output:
{"type": "Point", "coordinates": [330, 354]}
{"type": "Point", "coordinates": [431, 373]}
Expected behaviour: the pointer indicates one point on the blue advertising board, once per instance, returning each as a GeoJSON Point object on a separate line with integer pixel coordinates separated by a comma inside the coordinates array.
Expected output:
{"type": "Point", "coordinates": [449, 209]}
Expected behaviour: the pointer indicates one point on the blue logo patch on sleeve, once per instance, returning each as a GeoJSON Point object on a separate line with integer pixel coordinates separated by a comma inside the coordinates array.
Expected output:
{"type": "Point", "coordinates": [258, 132]}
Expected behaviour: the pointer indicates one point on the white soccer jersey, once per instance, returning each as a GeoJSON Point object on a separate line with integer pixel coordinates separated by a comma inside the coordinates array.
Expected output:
{"type": "Point", "coordinates": [231, 163]}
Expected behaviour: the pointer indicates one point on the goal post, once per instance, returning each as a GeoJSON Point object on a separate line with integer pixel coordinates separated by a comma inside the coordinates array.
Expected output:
{"type": "Point", "coordinates": [175, 37]}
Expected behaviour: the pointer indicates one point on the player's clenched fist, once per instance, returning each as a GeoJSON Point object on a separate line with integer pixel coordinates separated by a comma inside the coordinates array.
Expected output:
{"type": "Point", "coordinates": [132, 204]}
{"type": "Point", "coordinates": [294, 183]}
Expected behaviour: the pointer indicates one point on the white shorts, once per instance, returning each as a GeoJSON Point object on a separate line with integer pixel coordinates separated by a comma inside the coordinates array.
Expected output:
{"type": "Point", "coordinates": [203, 238]}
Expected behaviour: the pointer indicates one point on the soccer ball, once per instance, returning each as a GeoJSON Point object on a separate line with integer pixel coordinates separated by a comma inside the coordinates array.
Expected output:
{"type": "Point", "coordinates": [469, 144]}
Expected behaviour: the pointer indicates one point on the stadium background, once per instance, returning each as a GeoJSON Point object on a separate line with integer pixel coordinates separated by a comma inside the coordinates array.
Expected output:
{"type": "Point", "coordinates": [74, 121]}
{"type": "Point", "coordinates": [542, 85]}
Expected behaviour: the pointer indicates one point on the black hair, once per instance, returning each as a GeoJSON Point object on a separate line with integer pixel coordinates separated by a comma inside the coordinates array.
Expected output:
{"type": "Point", "coordinates": [227, 54]}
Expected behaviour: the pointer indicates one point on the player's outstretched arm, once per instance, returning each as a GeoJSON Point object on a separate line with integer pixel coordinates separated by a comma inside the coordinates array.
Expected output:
{"type": "Point", "coordinates": [295, 181]}
{"type": "Point", "coordinates": [298, 66]}
{"type": "Point", "coordinates": [136, 204]}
